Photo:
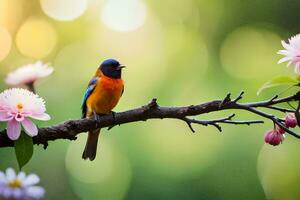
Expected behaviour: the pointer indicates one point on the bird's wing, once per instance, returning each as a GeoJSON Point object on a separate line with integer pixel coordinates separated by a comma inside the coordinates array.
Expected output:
{"type": "Point", "coordinates": [88, 92]}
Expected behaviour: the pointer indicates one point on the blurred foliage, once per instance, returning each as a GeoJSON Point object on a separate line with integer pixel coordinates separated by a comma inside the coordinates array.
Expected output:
{"type": "Point", "coordinates": [182, 52]}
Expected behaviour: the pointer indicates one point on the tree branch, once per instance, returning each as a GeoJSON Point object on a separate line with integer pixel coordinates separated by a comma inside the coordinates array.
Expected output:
{"type": "Point", "coordinates": [70, 129]}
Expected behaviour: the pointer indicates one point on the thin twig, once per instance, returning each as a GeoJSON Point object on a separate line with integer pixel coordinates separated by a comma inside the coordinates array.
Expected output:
{"type": "Point", "coordinates": [216, 122]}
{"type": "Point", "coordinates": [240, 96]}
{"type": "Point", "coordinates": [284, 110]}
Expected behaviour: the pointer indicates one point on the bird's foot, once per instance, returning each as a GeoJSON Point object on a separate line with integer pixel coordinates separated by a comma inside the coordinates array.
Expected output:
{"type": "Point", "coordinates": [96, 116]}
{"type": "Point", "coordinates": [113, 115]}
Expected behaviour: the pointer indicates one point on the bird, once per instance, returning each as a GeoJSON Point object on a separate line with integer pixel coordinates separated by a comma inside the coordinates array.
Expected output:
{"type": "Point", "coordinates": [101, 96]}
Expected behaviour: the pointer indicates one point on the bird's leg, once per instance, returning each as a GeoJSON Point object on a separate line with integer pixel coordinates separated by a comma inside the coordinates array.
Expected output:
{"type": "Point", "coordinates": [96, 116]}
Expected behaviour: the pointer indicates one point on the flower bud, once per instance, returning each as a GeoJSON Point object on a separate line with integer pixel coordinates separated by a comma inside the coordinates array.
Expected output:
{"type": "Point", "coordinates": [279, 129]}
{"type": "Point", "coordinates": [274, 137]}
{"type": "Point", "coordinates": [290, 120]}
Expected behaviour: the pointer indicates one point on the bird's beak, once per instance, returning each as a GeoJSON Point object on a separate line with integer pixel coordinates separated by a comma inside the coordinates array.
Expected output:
{"type": "Point", "coordinates": [121, 67]}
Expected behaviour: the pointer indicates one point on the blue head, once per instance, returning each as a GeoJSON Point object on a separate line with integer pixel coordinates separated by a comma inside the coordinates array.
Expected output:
{"type": "Point", "coordinates": [111, 68]}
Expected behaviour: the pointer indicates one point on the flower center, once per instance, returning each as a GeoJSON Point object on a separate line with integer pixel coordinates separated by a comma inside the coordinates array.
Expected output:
{"type": "Point", "coordinates": [15, 184]}
{"type": "Point", "coordinates": [18, 116]}
{"type": "Point", "coordinates": [20, 106]}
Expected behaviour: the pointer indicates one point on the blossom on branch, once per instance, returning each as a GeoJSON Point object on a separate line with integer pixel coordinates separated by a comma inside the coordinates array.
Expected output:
{"type": "Point", "coordinates": [16, 107]}
{"type": "Point", "coordinates": [19, 186]}
{"type": "Point", "coordinates": [28, 74]}
{"type": "Point", "coordinates": [275, 136]}
{"type": "Point", "coordinates": [290, 120]}
{"type": "Point", "coordinates": [291, 52]}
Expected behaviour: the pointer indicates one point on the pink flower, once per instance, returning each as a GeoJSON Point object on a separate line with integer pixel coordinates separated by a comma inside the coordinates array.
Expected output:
{"type": "Point", "coordinates": [291, 52]}
{"type": "Point", "coordinates": [28, 74]}
{"type": "Point", "coordinates": [274, 137]}
{"type": "Point", "coordinates": [16, 107]}
{"type": "Point", "coordinates": [290, 120]}
{"type": "Point", "coordinates": [279, 130]}
{"type": "Point", "coordinates": [19, 186]}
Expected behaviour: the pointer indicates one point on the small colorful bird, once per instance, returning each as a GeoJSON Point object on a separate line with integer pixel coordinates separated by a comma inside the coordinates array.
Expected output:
{"type": "Point", "coordinates": [101, 96]}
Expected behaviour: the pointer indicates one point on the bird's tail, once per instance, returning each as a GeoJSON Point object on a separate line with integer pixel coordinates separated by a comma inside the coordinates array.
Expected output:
{"type": "Point", "coordinates": [90, 149]}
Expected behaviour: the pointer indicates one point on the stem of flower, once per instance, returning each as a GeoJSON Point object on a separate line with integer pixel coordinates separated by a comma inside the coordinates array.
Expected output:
{"type": "Point", "coordinates": [30, 87]}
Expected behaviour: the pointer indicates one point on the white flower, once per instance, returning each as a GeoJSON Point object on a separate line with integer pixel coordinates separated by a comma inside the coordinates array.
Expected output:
{"type": "Point", "coordinates": [20, 186]}
{"type": "Point", "coordinates": [28, 74]}
{"type": "Point", "coordinates": [16, 107]}
{"type": "Point", "coordinates": [291, 52]}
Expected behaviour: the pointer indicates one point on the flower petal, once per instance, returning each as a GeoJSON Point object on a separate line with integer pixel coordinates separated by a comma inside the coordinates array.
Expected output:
{"type": "Point", "coordinates": [285, 45]}
{"type": "Point", "coordinates": [28, 73]}
{"type": "Point", "coordinates": [47, 71]}
{"type": "Point", "coordinates": [43, 116]}
{"type": "Point", "coordinates": [35, 192]}
{"type": "Point", "coordinates": [284, 59]}
{"type": "Point", "coordinates": [7, 192]}
{"type": "Point", "coordinates": [297, 68]}
{"type": "Point", "coordinates": [4, 116]}
{"type": "Point", "coordinates": [283, 52]}
{"type": "Point", "coordinates": [21, 176]}
{"type": "Point", "coordinates": [17, 193]}
{"type": "Point", "coordinates": [2, 186]}
{"type": "Point", "coordinates": [13, 129]}
{"type": "Point", "coordinates": [30, 127]}
{"type": "Point", "coordinates": [10, 174]}
{"type": "Point", "coordinates": [2, 178]}
{"type": "Point", "coordinates": [31, 179]}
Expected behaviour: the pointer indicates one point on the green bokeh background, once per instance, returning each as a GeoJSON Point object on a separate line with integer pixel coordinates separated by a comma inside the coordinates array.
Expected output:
{"type": "Point", "coordinates": [186, 52]}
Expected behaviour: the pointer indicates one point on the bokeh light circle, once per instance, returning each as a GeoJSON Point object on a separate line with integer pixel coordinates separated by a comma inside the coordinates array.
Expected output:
{"type": "Point", "coordinates": [5, 43]}
{"type": "Point", "coordinates": [11, 14]}
{"type": "Point", "coordinates": [36, 38]}
{"type": "Point", "coordinates": [278, 170]}
{"type": "Point", "coordinates": [64, 10]}
{"type": "Point", "coordinates": [124, 15]}
{"type": "Point", "coordinates": [250, 52]}
{"type": "Point", "coordinates": [107, 177]}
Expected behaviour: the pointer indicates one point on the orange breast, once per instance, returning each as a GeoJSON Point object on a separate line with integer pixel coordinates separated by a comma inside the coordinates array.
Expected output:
{"type": "Point", "coordinates": [106, 95]}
